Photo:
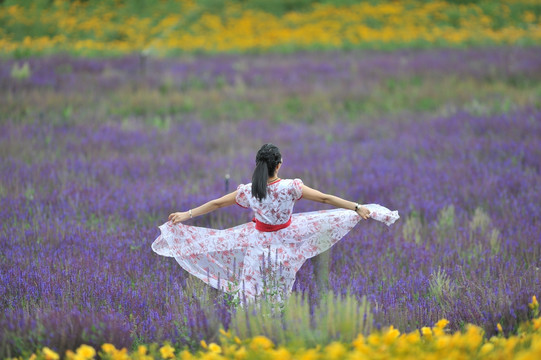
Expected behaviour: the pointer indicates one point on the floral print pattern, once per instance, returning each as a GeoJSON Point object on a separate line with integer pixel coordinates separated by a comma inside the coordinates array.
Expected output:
{"type": "Point", "coordinates": [277, 207]}
{"type": "Point", "coordinates": [240, 259]}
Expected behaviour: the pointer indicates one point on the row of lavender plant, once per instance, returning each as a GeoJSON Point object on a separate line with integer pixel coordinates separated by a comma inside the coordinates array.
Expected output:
{"type": "Point", "coordinates": [81, 201]}
{"type": "Point", "coordinates": [300, 70]}
{"type": "Point", "coordinates": [313, 87]}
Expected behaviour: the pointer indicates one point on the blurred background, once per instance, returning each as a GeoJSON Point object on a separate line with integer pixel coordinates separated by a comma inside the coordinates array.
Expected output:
{"type": "Point", "coordinates": [168, 27]}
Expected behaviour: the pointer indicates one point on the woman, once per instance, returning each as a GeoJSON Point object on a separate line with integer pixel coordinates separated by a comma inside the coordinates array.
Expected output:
{"type": "Point", "coordinates": [238, 260]}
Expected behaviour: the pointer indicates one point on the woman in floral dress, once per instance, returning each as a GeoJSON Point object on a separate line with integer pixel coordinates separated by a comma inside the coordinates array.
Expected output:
{"type": "Point", "coordinates": [241, 260]}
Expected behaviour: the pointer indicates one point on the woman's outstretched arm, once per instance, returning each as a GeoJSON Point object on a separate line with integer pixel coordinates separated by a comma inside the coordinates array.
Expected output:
{"type": "Point", "coordinates": [207, 207]}
{"type": "Point", "coordinates": [316, 195]}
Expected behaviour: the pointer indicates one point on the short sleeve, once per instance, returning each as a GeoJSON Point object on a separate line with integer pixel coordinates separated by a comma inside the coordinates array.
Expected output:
{"type": "Point", "coordinates": [242, 198]}
{"type": "Point", "coordinates": [297, 189]}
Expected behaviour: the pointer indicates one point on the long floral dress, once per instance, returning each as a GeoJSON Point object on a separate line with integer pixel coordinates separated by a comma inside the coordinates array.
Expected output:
{"type": "Point", "coordinates": [262, 256]}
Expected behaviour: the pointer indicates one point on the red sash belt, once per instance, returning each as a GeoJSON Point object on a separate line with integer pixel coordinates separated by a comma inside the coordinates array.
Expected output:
{"type": "Point", "coordinates": [261, 226]}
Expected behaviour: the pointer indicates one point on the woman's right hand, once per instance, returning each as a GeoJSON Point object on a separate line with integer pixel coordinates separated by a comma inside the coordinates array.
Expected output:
{"type": "Point", "coordinates": [363, 212]}
{"type": "Point", "coordinates": [177, 217]}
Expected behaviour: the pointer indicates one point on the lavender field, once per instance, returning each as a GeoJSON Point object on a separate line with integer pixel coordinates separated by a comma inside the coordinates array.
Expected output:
{"type": "Point", "coordinates": [96, 153]}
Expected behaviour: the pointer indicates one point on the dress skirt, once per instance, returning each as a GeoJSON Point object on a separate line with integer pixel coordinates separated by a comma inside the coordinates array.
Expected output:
{"type": "Point", "coordinates": [247, 262]}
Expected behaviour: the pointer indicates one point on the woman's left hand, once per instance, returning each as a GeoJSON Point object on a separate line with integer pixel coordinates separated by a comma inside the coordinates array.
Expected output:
{"type": "Point", "coordinates": [177, 217]}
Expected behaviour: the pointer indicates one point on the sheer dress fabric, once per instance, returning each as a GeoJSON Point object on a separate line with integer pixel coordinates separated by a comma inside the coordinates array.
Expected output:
{"type": "Point", "coordinates": [243, 260]}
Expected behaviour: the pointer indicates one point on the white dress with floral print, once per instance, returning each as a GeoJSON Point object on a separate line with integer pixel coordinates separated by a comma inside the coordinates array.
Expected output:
{"type": "Point", "coordinates": [245, 260]}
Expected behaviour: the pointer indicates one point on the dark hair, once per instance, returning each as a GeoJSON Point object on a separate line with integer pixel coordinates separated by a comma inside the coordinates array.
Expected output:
{"type": "Point", "coordinates": [266, 160]}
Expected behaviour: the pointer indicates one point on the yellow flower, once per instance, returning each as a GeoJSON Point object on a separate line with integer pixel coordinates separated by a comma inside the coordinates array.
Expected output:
{"type": "Point", "coordinates": [335, 350]}
{"type": "Point", "coordinates": [373, 339]}
{"type": "Point", "coordinates": [167, 351]}
{"type": "Point", "coordinates": [438, 331]}
{"type": "Point", "coordinates": [142, 350]}
{"type": "Point", "coordinates": [241, 354]}
{"type": "Point", "coordinates": [473, 336]}
{"type": "Point", "coordinates": [359, 343]}
{"type": "Point", "coordinates": [443, 342]}
{"type": "Point", "coordinates": [50, 354]}
{"type": "Point", "coordinates": [231, 348]}
{"type": "Point", "coordinates": [186, 355]}
{"type": "Point", "coordinates": [356, 355]}
{"type": "Point", "coordinates": [500, 329]}
{"type": "Point", "coordinates": [281, 354]}
{"type": "Point", "coordinates": [310, 354]}
{"type": "Point", "coordinates": [413, 337]}
{"type": "Point", "coordinates": [486, 348]}
{"type": "Point", "coordinates": [536, 323]}
{"type": "Point", "coordinates": [211, 356]}
{"type": "Point", "coordinates": [534, 304]}
{"type": "Point", "coordinates": [215, 348]}
{"type": "Point", "coordinates": [529, 17]}
{"type": "Point", "coordinates": [510, 344]}
{"type": "Point", "coordinates": [427, 332]}
{"type": "Point", "coordinates": [121, 354]}
{"type": "Point", "coordinates": [108, 348]}
{"type": "Point", "coordinates": [225, 333]}
{"type": "Point", "coordinates": [86, 352]}
{"type": "Point", "coordinates": [391, 335]}
{"type": "Point", "coordinates": [204, 344]}
{"type": "Point", "coordinates": [70, 354]}
{"type": "Point", "coordinates": [261, 342]}
{"type": "Point", "coordinates": [237, 340]}
{"type": "Point", "coordinates": [442, 323]}
{"type": "Point", "coordinates": [32, 357]}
